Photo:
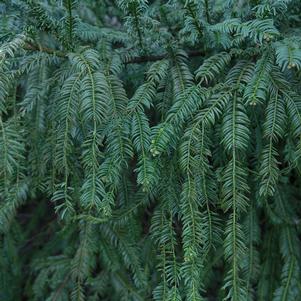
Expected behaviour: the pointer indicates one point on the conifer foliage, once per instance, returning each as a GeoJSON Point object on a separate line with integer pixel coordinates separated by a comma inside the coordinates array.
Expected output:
{"type": "Point", "coordinates": [150, 150]}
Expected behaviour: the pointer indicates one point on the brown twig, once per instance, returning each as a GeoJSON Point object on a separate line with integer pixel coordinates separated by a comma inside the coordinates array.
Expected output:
{"type": "Point", "coordinates": [61, 287]}
{"type": "Point", "coordinates": [32, 47]}
{"type": "Point", "coordinates": [133, 60]}
{"type": "Point", "coordinates": [154, 58]}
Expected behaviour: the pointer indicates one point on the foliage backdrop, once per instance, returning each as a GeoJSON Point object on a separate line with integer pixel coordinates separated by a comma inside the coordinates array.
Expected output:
{"type": "Point", "coordinates": [150, 150]}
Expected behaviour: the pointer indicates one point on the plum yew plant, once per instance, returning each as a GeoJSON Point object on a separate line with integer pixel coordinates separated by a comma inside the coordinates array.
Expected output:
{"type": "Point", "coordinates": [150, 150]}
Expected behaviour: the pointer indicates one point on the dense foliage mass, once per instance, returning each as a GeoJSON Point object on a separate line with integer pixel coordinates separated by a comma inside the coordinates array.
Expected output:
{"type": "Point", "coordinates": [150, 150]}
